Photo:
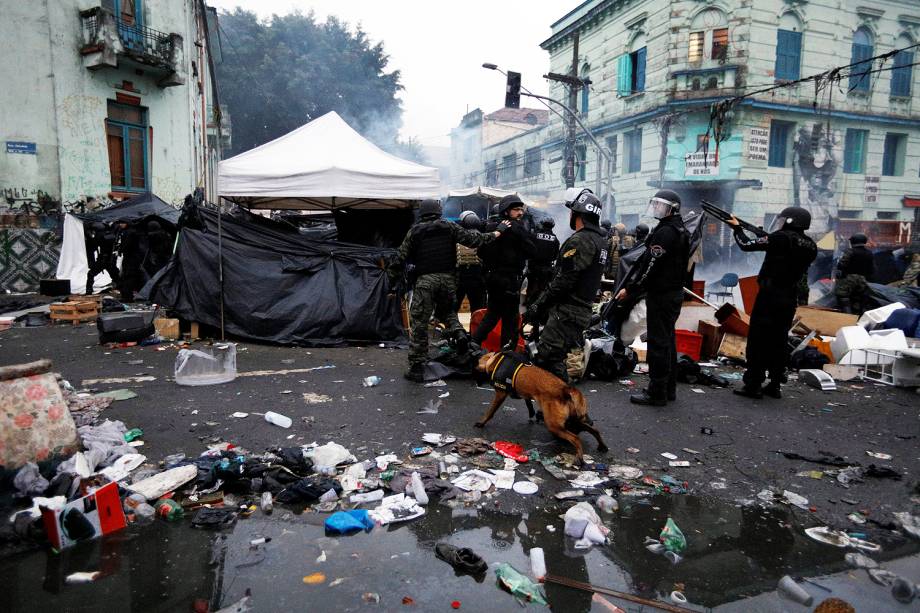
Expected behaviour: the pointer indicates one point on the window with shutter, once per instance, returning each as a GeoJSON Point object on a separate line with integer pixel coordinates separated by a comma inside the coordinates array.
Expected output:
{"type": "Point", "coordinates": [624, 75]}
{"type": "Point", "coordinates": [720, 44]}
{"type": "Point", "coordinates": [788, 55]}
{"type": "Point", "coordinates": [638, 62]}
{"type": "Point", "coordinates": [778, 154]}
{"type": "Point", "coordinates": [893, 156]}
{"type": "Point", "coordinates": [854, 151]}
{"type": "Point", "coordinates": [902, 74]}
{"type": "Point", "coordinates": [126, 137]}
{"type": "Point", "coordinates": [697, 39]}
{"type": "Point", "coordinates": [862, 51]}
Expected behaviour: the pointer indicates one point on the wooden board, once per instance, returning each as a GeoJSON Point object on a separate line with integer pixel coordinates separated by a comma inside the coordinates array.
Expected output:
{"type": "Point", "coordinates": [824, 321]}
{"type": "Point", "coordinates": [73, 312]}
{"type": "Point", "coordinates": [733, 346]}
{"type": "Point", "coordinates": [712, 337]}
{"type": "Point", "coordinates": [167, 329]}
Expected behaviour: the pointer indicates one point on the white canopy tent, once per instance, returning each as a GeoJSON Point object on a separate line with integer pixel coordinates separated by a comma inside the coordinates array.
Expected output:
{"type": "Point", "coordinates": [324, 165]}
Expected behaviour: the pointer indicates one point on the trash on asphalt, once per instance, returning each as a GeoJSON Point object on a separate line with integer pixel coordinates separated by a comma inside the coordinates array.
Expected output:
{"type": "Point", "coordinates": [519, 585]}
{"type": "Point", "coordinates": [583, 524]}
{"type": "Point", "coordinates": [371, 381]}
{"type": "Point", "coordinates": [430, 408]}
{"type": "Point", "coordinates": [510, 450]}
{"type": "Point", "coordinates": [464, 560]}
{"type": "Point", "coordinates": [793, 591]}
{"type": "Point", "coordinates": [672, 538]}
{"type": "Point", "coordinates": [278, 419]}
{"type": "Point", "coordinates": [348, 522]}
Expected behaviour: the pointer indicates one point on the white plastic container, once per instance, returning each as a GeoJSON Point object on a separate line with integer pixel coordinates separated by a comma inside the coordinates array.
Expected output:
{"type": "Point", "coordinates": [794, 592]}
{"type": "Point", "coordinates": [418, 488]}
{"type": "Point", "coordinates": [537, 564]}
{"type": "Point", "coordinates": [206, 366]}
{"type": "Point", "coordinates": [278, 419]}
{"type": "Point", "coordinates": [879, 315]}
{"type": "Point", "coordinates": [849, 338]}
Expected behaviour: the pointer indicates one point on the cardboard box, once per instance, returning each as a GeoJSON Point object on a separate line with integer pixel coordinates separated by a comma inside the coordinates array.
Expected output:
{"type": "Point", "coordinates": [733, 346]}
{"type": "Point", "coordinates": [168, 329]}
{"type": "Point", "coordinates": [824, 321]}
{"type": "Point", "coordinates": [85, 519]}
{"type": "Point", "coordinates": [712, 337]}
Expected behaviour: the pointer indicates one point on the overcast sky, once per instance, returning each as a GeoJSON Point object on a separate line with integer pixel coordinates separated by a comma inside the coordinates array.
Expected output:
{"type": "Point", "coordinates": [440, 46]}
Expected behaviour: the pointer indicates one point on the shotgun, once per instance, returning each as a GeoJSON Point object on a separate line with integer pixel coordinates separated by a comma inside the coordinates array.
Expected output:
{"type": "Point", "coordinates": [723, 216]}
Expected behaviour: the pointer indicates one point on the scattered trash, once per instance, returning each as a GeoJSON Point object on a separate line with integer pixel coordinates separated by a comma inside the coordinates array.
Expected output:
{"type": "Point", "coordinates": [632, 450]}
{"type": "Point", "coordinates": [858, 560]}
{"type": "Point", "coordinates": [672, 538]}
{"type": "Point", "coordinates": [679, 463]}
{"type": "Point", "coordinates": [511, 450]}
{"type": "Point", "coordinates": [438, 383]}
{"type": "Point", "coordinates": [909, 523]}
{"type": "Point", "coordinates": [75, 578]}
{"type": "Point", "coordinates": [537, 563]}
{"type": "Point", "coordinates": [444, 395]}
{"type": "Point", "coordinates": [430, 409]}
{"type": "Point", "coordinates": [518, 585]}
{"type": "Point", "coordinates": [569, 494]}
{"type": "Point", "coordinates": [154, 487]}
{"type": "Point", "coordinates": [239, 415]}
{"type": "Point", "coordinates": [525, 488]}
{"type": "Point", "coordinates": [626, 473]}
{"type": "Point", "coordinates": [838, 538]}
{"type": "Point", "coordinates": [793, 591]}
{"type": "Point", "coordinates": [582, 523]}
{"type": "Point", "coordinates": [420, 451]}
{"type": "Point", "coordinates": [314, 398]}
{"type": "Point", "coordinates": [371, 381]}
{"type": "Point", "coordinates": [371, 597]}
{"type": "Point", "coordinates": [474, 480]}
{"type": "Point", "coordinates": [464, 560]}
{"type": "Point", "coordinates": [438, 440]}
{"type": "Point", "coordinates": [678, 597]}
{"type": "Point", "coordinates": [119, 394]}
{"type": "Point", "coordinates": [690, 451]}
{"type": "Point", "coordinates": [395, 509]}
{"type": "Point", "coordinates": [669, 455]}
{"type": "Point", "coordinates": [315, 578]}
{"type": "Point", "coordinates": [326, 457]}
{"type": "Point", "coordinates": [607, 504]}
{"type": "Point", "coordinates": [795, 500]}
{"type": "Point", "coordinates": [879, 455]}
{"type": "Point", "coordinates": [348, 522]}
{"type": "Point", "coordinates": [903, 590]}
{"type": "Point", "coordinates": [278, 419]}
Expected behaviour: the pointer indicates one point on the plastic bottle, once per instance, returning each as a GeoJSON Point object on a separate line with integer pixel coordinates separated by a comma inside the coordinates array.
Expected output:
{"type": "Point", "coordinates": [793, 591]}
{"type": "Point", "coordinates": [442, 470]}
{"type": "Point", "coordinates": [267, 504]}
{"type": "Point", "coordinates": [418, 488]}
{"type": "Point", "coordinates": [169, 509]}
{"type": "Point", "coordinates": [144, 513]}
{"type": "Point", "coordinates": [537, 563]}
{"type": "Point", "coordinates": [278, 419]}
{"type": "Point", "coordinates": [133, 501]}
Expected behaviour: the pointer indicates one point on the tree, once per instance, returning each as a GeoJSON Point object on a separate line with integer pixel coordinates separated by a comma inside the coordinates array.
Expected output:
{"type": "Point", "coordinates": [282, 73]}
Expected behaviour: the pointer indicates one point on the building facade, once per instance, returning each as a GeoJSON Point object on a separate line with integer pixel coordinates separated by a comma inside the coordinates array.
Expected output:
{"type": "Point", "coordinates": [104, 99]}
{"type": "Point", "coordinates": [848, 149]}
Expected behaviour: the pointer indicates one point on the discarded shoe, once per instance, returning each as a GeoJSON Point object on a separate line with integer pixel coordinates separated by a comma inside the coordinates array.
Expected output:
{"type": "Point", "coordinates": [749, 392]}
{"type": "Point", "coordinates": [416, 374]}
{"type": "Point", "coordinates": [464, 560]}
{"type": "Point", "coordinates": [903, 590]}
{"type": "Point", "coordinates": [645, 398]}
{"type": "Point", "coordinates": [773, 390]}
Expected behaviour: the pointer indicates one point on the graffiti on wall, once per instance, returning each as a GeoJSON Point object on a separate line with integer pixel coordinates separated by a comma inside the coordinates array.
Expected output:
{"type": "Point", "coordinates": [814, 175]}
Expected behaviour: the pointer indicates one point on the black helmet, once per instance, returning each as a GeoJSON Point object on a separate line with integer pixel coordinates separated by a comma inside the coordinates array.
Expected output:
{"type": "Point", "coordinates": [547, 223]}
{"type": "Point", "coordinates": [429, 208]}
{"type": "Point", "coordinates": [585, 202]}
{"type": "Point", "coordinates": [470, 220]}
{"type": "Point", "coordinates": [793, 218]}
{"type": "Point", "coordinates": [512, 201]}
{"type": "Point", "coordinates": [606, 225]}
{"type": "Point", "coordinates": [641, 232]}
{"type": "Point", "coordinates": [664, 203]}
{"type": "Point", "coordinates": [859, 239]}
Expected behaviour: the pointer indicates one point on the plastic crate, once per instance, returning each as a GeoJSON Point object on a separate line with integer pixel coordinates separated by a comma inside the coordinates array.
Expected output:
{"type": "Point", "coordinates": [689, 343]}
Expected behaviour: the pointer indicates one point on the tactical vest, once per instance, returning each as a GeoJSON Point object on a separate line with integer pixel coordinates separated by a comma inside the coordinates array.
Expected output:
{"type": "Point", "coordinates": [670, 271]}
{"type": "Point", "coordinates": [784, 269]}
{"type": "Point", "coordinates": [547, 249]}
{"type": "Point", "coordinates": [506, 369]}
{"type": "Point", "coordinates": [589, 279]}
{"type": "Point", "coordinates": [860, 263]}
{"type": "Point", "coordinates": [433, 248]}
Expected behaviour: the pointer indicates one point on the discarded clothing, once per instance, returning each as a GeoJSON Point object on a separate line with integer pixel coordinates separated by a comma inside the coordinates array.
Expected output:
{"type": "Point", "coordinates": [882, 472]}
{"type": "Point", "coordinates": [108, 437]}
{"type": "Point", "coordinates": [29, 481]}
{"type": "Point", "coordinates": [293, 458]}
{"type": "Point", "coordinates": [214, 518]}
{"type": "Point", "coordinates": [827, 460]}
{"type": "Point", "coordinates": [308, 490]}
{"type": "Point", "coordinates": [347, 522]}
{"type": "Point", "coordinates": [472, 446]}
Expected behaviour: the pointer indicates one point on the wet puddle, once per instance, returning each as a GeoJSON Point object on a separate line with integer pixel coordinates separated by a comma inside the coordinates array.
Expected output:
{"type": "Point", "coordinates": [732, 552]}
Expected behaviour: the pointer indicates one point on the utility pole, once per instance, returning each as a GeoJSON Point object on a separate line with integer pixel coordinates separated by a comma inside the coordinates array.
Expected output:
{"type": "Point", "coordinates": [569, 172]}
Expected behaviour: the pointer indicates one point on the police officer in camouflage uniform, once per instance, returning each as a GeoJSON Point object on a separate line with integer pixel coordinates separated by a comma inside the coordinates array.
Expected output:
{"type": "Point", "coordinates": [789, 254]}
{"type": "Point", "coordinates": [431, 246]}
{"type": "Point", "coordinates": [854, 271]}
{"type": "Point", "coordinates": [540, 266]}
{"type": "Point", "coordinates": [566, 305]}
{"type": "Point", "coordinates": [661, 272]}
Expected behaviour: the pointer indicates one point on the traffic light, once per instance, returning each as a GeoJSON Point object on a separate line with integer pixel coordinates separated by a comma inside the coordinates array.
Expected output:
{"type": "Point", "coordinates": [513, 91]}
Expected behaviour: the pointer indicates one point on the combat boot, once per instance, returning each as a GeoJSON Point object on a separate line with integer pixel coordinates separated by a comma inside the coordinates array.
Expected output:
{"type": "Point", "coordinates": [772, 390]}
{"type": "Point", "coordinates": [750, 392]}
{"type": "Point", "coordinates": [644, 398]}
{"type": "Point", "coordinates": [416, 373]}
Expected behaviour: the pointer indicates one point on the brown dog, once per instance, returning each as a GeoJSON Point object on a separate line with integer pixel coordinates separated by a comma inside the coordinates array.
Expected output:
{"type": "Point", "coordinates": [565, 410]}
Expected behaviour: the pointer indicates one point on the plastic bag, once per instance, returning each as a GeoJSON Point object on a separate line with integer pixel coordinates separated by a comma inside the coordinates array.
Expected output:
{"type": "Point", "coordinates": [215, 364]}
{"type": "Point", "coordinates": [520, 586]}
{"type": "Point", "coordinates": [672, 538]}
{"type": "Point", "coordinates": [583, 523]}
{"type": "Point", "coordinates": [346, 522]}
{"type": "Point", "coordinates": [29, 481]}
{"type": "Point", "coordinates": [328, 456]}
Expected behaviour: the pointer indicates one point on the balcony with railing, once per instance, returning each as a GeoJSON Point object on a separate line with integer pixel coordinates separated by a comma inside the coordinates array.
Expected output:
{"type": "Point", "coordinates": [109, 40]}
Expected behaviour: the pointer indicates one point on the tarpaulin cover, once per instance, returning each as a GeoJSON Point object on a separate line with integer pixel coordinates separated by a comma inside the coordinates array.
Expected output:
{"type": "Point", "coordinates": [135, 209]}
{"type": "Point", "coordinates": [279, 286]}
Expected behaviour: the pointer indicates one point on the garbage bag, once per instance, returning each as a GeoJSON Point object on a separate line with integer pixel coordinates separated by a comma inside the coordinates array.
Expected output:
{"type": "Point", "coordinates": [347, 522]}
{"type": "Point", "coordinates": [308, 490]}
{"type": "Point", "coordinates": [29, 481]}
{"type": "Point", "coordinates": [328, 456]}
{"type": "Point", "coordinates": [584, 524]}
{"type": "Point", "coordinates": [672, 538]}
{"type": "Point", "coordinates": [519, 585]}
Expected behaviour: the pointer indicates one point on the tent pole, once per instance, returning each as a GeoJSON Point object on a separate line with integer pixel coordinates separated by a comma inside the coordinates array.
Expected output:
{"type": "Point", "coordinates": [220, 267]}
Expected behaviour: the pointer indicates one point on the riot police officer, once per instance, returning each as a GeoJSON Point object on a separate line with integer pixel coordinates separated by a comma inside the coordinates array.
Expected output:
{"type": "Point", "coordinates": [566, 305]}
{"type": "Point", "coordinates": [431, 247]}
{"type": "Point", "coordinates": [100, 253]}
{"type": "Point", "coordinates": [661, 273]}
{"type": "Point", "coordinates": [504, 260]}
{"type": "Point", "coordinates": [854, 271]}
{"type": "Point", "coordinates": [789, 254]}
{"type": "Point", "coordinates": [470, 281]}
{"type": "Point", "coordinates": [540, 266]}
{"type": "Point", "coordinates": [641, 233]}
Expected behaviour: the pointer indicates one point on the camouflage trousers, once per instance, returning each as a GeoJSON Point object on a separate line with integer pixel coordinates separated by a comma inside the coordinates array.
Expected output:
{"type": "Point", "coordinates": [851, 294]}
{"type": "Point", "coordinates": [433, 294]}
{"type": "Point", "coordinates": [564, 330]}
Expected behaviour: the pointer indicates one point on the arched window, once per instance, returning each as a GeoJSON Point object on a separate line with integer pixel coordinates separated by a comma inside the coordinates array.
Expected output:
{"type": "Point", "coordinates": [585, 73]}
{"type": "Point", "coordinates": [631, 67]}
{"type": "Point", "coordinates": [862, 51]}
{"type": "Point", "coordinates": [788, 48]}
{"type": "Point", "coordinates": [903, 74]}
{"type": "Point", "coordinates": [708, 36]}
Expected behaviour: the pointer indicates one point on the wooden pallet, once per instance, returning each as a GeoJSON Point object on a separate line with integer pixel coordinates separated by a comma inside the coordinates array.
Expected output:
{"type": "Point", "coordinates": [74, 312]}
{"type": "Point", "coordinates": [97, 298]}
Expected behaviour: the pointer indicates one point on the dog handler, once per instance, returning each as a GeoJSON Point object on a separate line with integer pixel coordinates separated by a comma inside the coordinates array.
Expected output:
{"type": "Point", "coordinates": [662, 272]}
{"type": "Point", "coordinates": [431, 245]}
{"type": "Point", "coordinates": [565, 306]}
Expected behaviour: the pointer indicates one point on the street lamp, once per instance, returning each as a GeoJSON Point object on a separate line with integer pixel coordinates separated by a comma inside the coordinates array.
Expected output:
{"type": "Point", "coordinates": [601, 149]}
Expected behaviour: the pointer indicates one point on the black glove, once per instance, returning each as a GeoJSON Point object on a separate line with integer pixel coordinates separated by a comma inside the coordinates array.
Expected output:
{"type": "Point", "coordinates": [534, 313]}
